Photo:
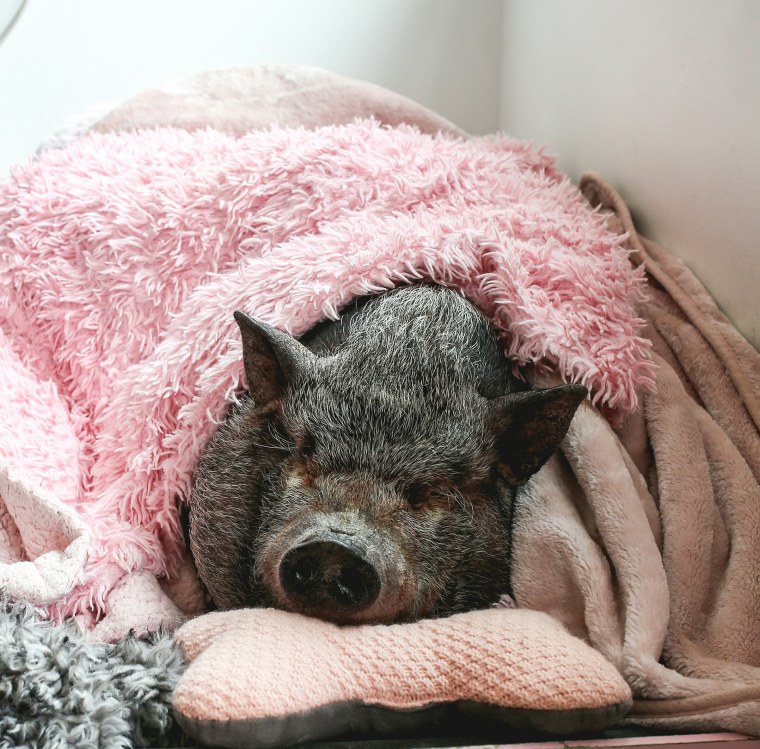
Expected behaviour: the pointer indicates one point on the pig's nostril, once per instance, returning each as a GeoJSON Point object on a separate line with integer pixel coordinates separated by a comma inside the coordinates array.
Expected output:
{"type": "Point", "coordinates": [328, 576]}
{"type": "Point", "coordinates": [350, 586]}
{"type": "Point", "coordinates": [304, 573]}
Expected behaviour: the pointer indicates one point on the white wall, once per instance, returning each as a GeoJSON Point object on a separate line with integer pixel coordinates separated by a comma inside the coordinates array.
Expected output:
{"type": "Point", "coordinates": [662, 97]}
{"type": "Point", "coordinates": [62, 56]}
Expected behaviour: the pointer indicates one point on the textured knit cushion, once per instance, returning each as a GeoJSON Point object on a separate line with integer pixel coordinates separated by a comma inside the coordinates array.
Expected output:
{"type": "Point", "coordinates": [266, 678]}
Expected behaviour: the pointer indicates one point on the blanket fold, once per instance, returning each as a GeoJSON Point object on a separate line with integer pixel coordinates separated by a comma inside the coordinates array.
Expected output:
{"type": "Point", "coordinates": [123, 255]}
{"type": "Point", "coordinates": [658, 566]}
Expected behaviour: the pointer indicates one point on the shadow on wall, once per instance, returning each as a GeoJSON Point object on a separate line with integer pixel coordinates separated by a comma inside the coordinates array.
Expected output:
{"type": "Point", "coordinates": [9, 12]}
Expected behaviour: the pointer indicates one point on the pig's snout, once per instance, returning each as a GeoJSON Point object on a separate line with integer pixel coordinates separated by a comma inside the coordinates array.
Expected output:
{"type": "Point", "coordinates": [328, 575]}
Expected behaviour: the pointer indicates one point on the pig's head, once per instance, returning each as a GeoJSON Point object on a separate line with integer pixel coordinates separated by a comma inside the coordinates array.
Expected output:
{"type": "Point", "coordinates": [366, 491]}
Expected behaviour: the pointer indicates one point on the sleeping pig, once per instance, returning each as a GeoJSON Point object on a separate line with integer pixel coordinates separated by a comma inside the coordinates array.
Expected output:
{"type": "Point", "coordinates": [368, 475]}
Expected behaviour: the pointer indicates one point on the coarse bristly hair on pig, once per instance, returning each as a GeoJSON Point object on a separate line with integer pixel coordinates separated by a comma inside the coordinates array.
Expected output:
{"type": "Point", "coordinates": [369, 473]}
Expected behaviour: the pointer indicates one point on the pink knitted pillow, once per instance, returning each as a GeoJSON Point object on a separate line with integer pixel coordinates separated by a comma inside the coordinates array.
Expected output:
{"type": "Point", "coordinates": [267, 678]}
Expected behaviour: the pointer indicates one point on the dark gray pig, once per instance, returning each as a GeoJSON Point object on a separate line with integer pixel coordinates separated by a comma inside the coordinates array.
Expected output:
{"type": "Point", "coordinates": [369, 473]}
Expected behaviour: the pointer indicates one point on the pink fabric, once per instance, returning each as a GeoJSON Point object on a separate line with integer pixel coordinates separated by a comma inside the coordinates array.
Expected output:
{"type": "Point", "coordinates": [520, 659]}
{"type": "Point", "coordinates": [123, 256]}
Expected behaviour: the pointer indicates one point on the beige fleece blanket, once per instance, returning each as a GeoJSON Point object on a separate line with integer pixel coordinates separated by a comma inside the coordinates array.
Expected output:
{"type": "Point", "coordinates": [644, 539]}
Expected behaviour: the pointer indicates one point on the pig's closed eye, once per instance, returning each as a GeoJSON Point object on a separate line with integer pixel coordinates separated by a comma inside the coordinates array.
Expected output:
{"type": "Point", "coordinates": [416, 496]}
{"type": "Point", "coordinates": [419, 496]}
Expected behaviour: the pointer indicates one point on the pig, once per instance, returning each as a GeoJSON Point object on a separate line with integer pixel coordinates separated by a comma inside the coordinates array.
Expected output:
{"type": "Point", "coordinates": [369, 473]}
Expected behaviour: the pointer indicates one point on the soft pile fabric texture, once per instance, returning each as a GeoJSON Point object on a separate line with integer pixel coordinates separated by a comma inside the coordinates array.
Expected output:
{"type": "Point", "coordinates": [645, 539]}
{"type": "Point", "coordinates": [306, 679]}
{"type": "Point", "coordinates": [58, 690]}
{"type": "Point", "coordinates": [641, 537]}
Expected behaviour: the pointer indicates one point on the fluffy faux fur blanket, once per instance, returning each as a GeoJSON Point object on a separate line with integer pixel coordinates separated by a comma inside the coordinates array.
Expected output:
{"type": "Point", "coordinates": [122, 257]}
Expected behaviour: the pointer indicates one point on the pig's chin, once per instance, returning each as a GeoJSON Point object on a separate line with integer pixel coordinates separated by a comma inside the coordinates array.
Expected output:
{"type": "Point", "coordinates": [374, 615]}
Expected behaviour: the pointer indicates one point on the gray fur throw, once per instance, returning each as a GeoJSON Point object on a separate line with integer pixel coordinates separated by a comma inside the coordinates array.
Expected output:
{"type": "Point", "coordinates": [59, 690]}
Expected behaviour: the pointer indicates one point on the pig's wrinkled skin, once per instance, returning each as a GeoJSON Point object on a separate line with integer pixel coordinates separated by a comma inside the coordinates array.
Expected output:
{"type": "Point", "coordinates": [369, 474]}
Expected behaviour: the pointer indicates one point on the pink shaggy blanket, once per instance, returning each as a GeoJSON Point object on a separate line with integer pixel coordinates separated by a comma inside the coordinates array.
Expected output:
{"type": "Point", "coordinates": [123, 256]}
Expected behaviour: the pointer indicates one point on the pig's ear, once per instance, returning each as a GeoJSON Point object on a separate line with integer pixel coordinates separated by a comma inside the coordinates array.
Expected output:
{"type": "Point", "coordinates": [271, 358]}
{"type": "Point", "coordinates": [530, 427]}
